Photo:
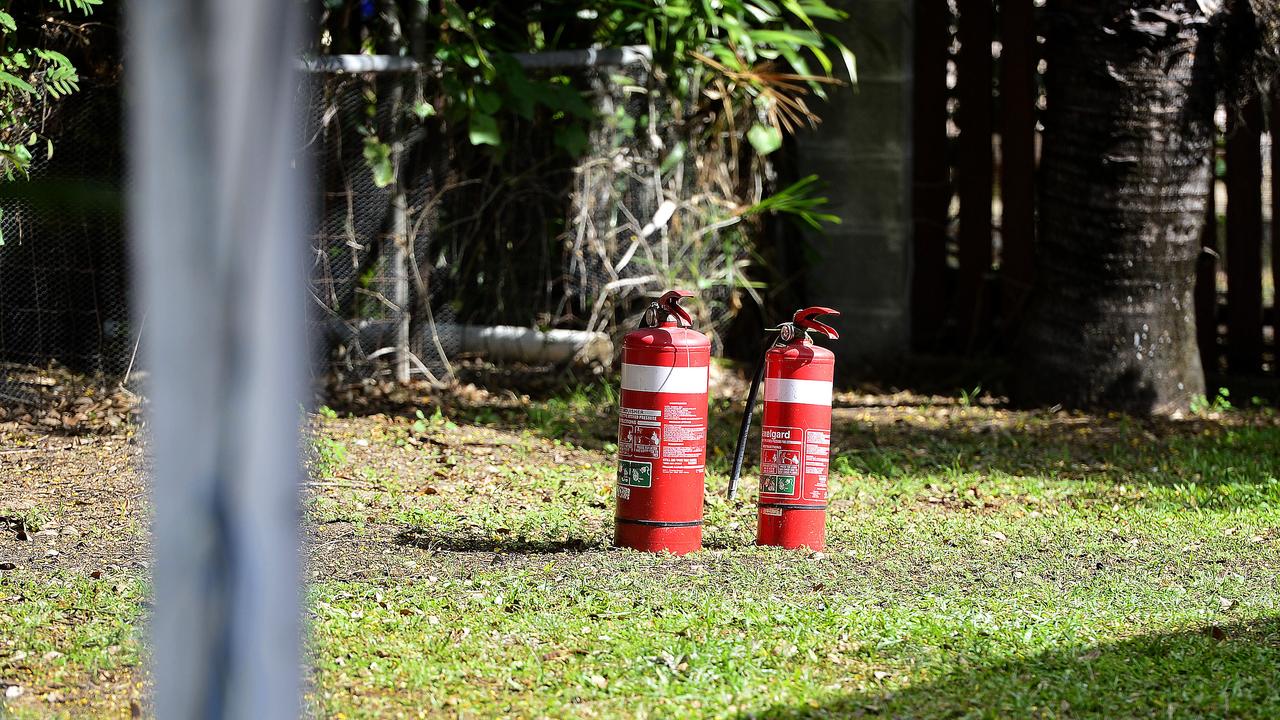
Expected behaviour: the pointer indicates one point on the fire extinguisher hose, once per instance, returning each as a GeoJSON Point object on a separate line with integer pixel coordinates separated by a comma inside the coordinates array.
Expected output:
{"type": "Point", "coordinates": [741, 450]}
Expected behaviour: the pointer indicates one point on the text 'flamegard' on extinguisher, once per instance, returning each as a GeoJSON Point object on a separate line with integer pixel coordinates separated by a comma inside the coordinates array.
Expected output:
{"type": "Point", "coordinates": [662, 431]}
{"type": "Point", "coordinates": [795, 433]}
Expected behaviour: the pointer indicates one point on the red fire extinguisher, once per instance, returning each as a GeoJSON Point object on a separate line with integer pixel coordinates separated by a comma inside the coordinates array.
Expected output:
{"type": "Point", "coordinates": [662, 431]}
{"type": "Point", "coordinates": [795, 434]}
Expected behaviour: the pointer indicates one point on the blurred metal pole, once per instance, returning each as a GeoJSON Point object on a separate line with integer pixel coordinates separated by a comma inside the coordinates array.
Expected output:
{"type": "Point", "coordinates": [218, 257]}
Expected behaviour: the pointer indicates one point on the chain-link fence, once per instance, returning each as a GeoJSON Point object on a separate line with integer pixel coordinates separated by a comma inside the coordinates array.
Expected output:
{"type": "Point", "coordinates": [419, 271]}
{"type": "Point", "coordinates": [63, 270]}
{"type": "Point", "coordinates": [524, 236]}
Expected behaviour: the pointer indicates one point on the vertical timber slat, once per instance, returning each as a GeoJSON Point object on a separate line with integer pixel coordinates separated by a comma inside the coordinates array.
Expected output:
{"type": "Point", "coordinates": [1018, 162]}
{"type": "Point", "coordinates": [1275, 228]}
{"type": "Point", "coordinates": [930, 188]}
{"type": "Point", "coordinates": [974, 163]}
{"type": "Point", "coordinates": [1207, 280]}
{"type": "Point", "coordinates": [1244, 239]}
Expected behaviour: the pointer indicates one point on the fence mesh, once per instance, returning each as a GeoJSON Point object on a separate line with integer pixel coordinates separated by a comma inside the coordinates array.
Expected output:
{"type": "Point", "coordinates": [63, 270]}
{"type": "Point", "coordinates": [528, 235]}
{"type": "Point", "coordinates": [524, 236]}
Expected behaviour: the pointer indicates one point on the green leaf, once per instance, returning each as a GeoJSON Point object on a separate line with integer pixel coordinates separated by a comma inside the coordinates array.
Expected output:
{"type": "Point", "coordinates": [457, 17]}
{"type": "Point", "coordinates": [822, 59]}
{"type": "Point", "coordinates": [624, 122]}
{"type": "Point", "coordinates": [563, 98]}
{"type": "Point", "coordinates": [673, 158]}
{"type": "Point", "coordinates": [820, 9]}
{"type": "Point", "coordinates": [760, 14]}
{"type": "Point", "coordinates": [572, 138]}
{"type": "Point", "coordinates": [483, 130]}
{"type": "Point", "coordinates": [764, 138]}
{"type": "Point", "coordinates": [782, 38]}
{"type": "Point", "coordinates": [850, 62]}
{"type": "Point", "coordinates": [795, 9]}
{"type": "Point", "coordinates": [487, 101]}
{"type": "Point", "coordinates": [15, 81]}
{"type": "Point", "coordinates": [55, 57]}
{"type": "Point", "coordinates": [798, 201]}
{"type": "Point", "coordinates": [84, 6]}
{"type": "Point", "coordinates": [423, 109]}
{"type": "Point", "coordinates": [6, 21]}
{"type": "Point", "coordinates": [522, 95]}
{"type": "Point", "coordinates": [377, 155]}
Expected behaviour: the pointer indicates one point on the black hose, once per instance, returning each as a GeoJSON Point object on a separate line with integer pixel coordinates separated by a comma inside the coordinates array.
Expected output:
{"type": "Point", "coordinates": [741, 449]}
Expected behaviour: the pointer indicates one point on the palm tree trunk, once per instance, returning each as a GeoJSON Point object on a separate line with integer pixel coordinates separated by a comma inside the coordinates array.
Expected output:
{"type": "Point", "coordinates": [1125, 170]}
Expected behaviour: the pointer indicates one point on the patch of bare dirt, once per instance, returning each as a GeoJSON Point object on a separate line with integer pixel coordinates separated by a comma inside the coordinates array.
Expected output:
{"type": "Point", "coordinates": [70, 503]}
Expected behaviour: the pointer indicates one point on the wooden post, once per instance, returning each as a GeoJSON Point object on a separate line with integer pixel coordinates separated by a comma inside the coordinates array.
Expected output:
{"type": "Point", "coordinates": [219, 254]}
{"type": "Point", "coordinates": [400, 278]}
{"type": "Point", "coordinates": [399, 261]}
{"type": "Point", "coordinates": [974, 165]}
{"type": "Point", "coordinates": [1244, 239]}
{"type": "Point", "coordinates": [1018, 58]}
{"type": "Point", "coordinates": [930, 182]}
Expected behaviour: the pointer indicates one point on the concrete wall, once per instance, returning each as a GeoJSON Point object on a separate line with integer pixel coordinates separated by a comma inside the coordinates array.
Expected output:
{"type": "Point", "coordinates": [862, 151]}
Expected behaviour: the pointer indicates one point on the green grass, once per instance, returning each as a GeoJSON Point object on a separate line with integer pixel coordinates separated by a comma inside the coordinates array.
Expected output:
{"type": "Point", "coordinates": [981, 563]}
{"type": "Point", "coordinates": [72, 642]}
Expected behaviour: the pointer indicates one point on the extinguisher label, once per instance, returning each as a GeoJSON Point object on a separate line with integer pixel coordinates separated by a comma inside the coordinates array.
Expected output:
{"type": "Point", "coordinates": [817, 452]}
{"type": "Point", "coordinates": [639, 433]}
{"type": "Point", "coordinates": [635, 474]}
{"type": "Point", "coordinates": [684, 435]}
{"type": "Point", "coordinates": [777, 484]}
{"type": "Point", "coordinates": [781, 454]}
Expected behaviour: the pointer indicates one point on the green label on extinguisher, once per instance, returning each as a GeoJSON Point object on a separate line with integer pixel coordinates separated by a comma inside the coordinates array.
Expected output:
{"type": "Point", "coordinates": [635, 474]}
{"type": "Point", "coordinates": [777, 484]}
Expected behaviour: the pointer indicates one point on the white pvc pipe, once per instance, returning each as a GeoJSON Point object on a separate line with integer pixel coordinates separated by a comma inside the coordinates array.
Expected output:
{"type": "Point", "coordinates": [496, 342]}
{"type": "Point", "coordinates": [591, 57]}
{"type": "Point", "coordinates": [504, 342]}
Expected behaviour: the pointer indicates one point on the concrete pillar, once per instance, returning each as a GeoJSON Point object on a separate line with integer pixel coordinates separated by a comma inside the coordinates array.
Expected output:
{"type": "Point", "coordinates": [862, 151]}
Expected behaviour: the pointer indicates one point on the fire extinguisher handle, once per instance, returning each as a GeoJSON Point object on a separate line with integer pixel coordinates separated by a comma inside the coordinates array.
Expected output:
{"type": "Point", "coordinates": [741, 449]}
{"type": "Point", "coordinates": [806, 319]}
{"type": "Point", "coordinates": [670, 303]}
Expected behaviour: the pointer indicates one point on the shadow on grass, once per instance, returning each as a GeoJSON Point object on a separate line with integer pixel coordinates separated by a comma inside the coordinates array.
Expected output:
{"type": "Point", "coordinates": [454, 542]}
{"type": "Point", "coordinates": [1219, 671]}
{"type": "Point", "coordinates": [516, 544]}
{"type": "Point", "coordinates": [1072, 447]}
{"type": "Point", "coordinates": [892, 437]}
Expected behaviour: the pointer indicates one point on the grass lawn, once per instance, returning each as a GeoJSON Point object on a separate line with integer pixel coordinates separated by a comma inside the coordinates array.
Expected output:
{"type": "Point", "coordinates": [981, 562]}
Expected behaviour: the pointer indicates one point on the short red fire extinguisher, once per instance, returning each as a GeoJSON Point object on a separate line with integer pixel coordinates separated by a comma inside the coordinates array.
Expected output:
{"type": "Point", "coordinates": [795, 433]}
{"type": "Point", "coordinates": [662, 431]}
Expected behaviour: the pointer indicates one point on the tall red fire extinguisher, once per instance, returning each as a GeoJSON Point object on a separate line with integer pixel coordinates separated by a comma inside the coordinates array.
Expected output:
{"type": "Point", "coordinates": [662, 431]}
{"type": "Point", "coordinates": [795, 433]}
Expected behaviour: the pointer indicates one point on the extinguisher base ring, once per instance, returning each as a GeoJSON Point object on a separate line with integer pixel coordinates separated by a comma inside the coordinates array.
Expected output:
{"type": "Point", "coordinates": [679, 540]}
{"type": "Point", "coordinates": [792, 506]}
{"type": "Point", "coordinates": [661, 523]}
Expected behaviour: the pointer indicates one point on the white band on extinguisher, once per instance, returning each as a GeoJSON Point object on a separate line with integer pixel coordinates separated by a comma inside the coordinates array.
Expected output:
{"type": "Point", "coordinates": [655, 378]}
{"type": "Point", "coordinates": [803, 392]}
